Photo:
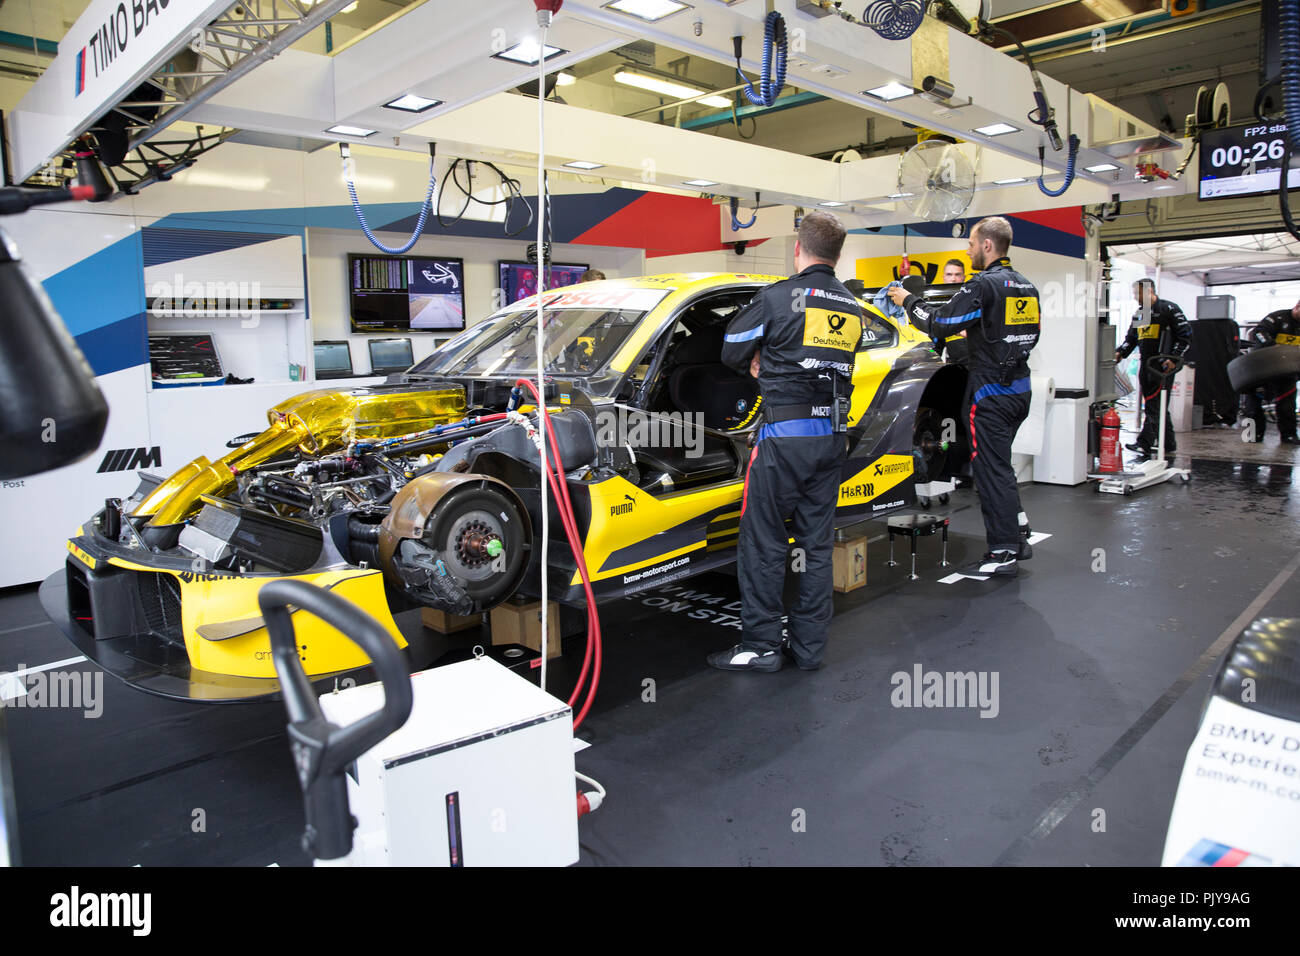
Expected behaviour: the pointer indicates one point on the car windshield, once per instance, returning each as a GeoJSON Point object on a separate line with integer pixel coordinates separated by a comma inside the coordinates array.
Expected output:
{"type": "Point", "coordinates": [581, 338]}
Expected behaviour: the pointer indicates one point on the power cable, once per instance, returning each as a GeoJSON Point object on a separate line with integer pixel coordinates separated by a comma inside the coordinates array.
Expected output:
{"type": "Point", "coordinates": [512, 189]}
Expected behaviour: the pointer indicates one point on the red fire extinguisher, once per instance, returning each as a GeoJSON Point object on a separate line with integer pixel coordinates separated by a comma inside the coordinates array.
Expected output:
{"type": "Point", "coordinates": [1110, 458]}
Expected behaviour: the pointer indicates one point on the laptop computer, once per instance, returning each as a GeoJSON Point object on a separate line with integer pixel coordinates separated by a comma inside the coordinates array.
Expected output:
{"type": "Point", "coordinates": [333, 360]}
{"type": "Point", "coordinates": [388, 356]}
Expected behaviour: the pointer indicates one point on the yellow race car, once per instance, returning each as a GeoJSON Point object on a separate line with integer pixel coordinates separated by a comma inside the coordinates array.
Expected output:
{"type": "Point", "coordinates": [424, 491]}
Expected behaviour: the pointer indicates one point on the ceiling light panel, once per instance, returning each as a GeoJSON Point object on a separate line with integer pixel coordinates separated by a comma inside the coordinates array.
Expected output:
{"type": "Point", "coordinates": [527, 52]}
{"type": "Point", "coordinates": [651, 11]}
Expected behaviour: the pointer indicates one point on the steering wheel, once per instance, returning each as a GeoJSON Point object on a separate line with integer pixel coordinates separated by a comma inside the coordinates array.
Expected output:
{"type": "Point", "coordinates": [321, 750]}
{"type": "Point", "coordinates": [1155, 364]}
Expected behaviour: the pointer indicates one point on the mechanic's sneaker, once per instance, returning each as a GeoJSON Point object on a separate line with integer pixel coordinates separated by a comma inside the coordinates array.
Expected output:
{"type": "Point", "coordinates": [1026, 549]}
{"type": "Point", "coordinates": [1001, 564]}
{"type": "Point", "coordinates": [1138, 447]}
{"type": "Point", "coordinates": [738, 658]}
{"type": "Point", "coordinates": [788, 653]}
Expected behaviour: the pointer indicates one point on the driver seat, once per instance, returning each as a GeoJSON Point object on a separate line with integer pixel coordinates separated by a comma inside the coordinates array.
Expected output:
{"type": "Point", "coordinates": [701, 383]}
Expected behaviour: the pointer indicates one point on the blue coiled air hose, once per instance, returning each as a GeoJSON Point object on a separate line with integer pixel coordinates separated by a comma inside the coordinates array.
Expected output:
{"type": "Point", "coordinates": [1289, 48]}
{"type": "Point", "coordinates": [1069, 170]}
{"type": "Point", "coordinates": [361, 216]}
{"type": "Point", "coordinates": [769, 87]}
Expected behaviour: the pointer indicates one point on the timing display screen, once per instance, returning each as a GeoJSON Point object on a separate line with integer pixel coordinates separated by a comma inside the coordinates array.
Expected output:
{"type": "Point", "coordinates": [1243, 160]}
{"type": "Point", "coordinates": [406, 293]}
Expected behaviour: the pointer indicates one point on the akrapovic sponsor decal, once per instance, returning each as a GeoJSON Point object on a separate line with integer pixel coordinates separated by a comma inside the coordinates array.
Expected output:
{"type": "Point", "coordinates": [874, 480]}
{"type": "Point", "coordinates": [883, 467]}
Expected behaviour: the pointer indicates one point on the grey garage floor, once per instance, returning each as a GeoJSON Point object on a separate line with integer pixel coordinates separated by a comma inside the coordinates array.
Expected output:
{"type": "Point", "coordinates": [1101, 674]}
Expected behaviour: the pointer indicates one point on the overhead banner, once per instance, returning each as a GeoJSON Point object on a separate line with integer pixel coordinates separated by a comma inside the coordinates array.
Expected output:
{"type": "Point", "coordinates": [109, 51]}
{"type": "Point", "coordinates": [882, 270]}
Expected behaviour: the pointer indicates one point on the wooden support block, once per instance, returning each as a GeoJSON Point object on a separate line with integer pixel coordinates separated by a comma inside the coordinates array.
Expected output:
{"type": "Point", "coordinates": [445, 623]}
{"type": "Point", "coordinates": [850, 564]}
{"type": "Point", "coordinates": [522, 624]}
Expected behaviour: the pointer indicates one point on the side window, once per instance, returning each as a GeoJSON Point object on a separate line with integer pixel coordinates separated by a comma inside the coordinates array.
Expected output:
{"type": "Point", "coordinates": [877, 333]}
{"type": "Point", "coordinates": [704, 320]}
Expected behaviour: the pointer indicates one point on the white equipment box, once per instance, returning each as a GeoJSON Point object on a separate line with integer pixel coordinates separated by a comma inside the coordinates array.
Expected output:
{"type": "Point", "coordinates": [480, 775]}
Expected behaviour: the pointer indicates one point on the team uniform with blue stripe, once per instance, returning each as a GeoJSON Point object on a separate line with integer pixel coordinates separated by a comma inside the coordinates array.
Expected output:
{"type": "Point", "coordinates": [999, 310]}
{"type": "Point", "coordinates": [809, 330]}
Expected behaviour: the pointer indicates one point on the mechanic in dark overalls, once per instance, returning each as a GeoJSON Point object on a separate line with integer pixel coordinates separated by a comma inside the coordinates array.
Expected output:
{"type": "Point", "coordinates": [1277, 328]}
{"type": "Point", "coordinates": [998, 308]}
{"type": "Point", "coordinates": [799, 337]}
{"type": "Point", "coordinates": [1159, 328]}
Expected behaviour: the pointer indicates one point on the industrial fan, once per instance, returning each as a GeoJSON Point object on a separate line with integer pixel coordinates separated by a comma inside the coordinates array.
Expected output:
{"type": "Point", "coordinates": [936, 181]}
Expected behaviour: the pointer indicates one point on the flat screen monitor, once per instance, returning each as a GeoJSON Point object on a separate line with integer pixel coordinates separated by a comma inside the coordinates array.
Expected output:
{"type": "Point", "coordinates": [518, 280]}
{"type": "Point", "coordinates": [390, 355]}
{"type": "Point", "coordinates": [333, 360]}
{"type": "Point", "coordinates": [1243, 160]}
{"type": "Point", "coordinates": [406, 293]}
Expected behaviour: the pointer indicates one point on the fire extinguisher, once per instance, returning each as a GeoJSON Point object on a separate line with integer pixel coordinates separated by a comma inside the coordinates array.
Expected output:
{"type": "Point", "coordinates": [1110, 459]}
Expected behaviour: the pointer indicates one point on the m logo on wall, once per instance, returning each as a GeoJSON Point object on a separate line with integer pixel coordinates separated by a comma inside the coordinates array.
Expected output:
{"type": "Point", "coordinates": [129, 459]}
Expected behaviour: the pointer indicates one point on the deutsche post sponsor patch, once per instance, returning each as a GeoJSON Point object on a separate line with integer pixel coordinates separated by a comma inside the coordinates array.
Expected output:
{"type": "Point", "coordinates": [1022, 310]}
{"type": "Point", "coordinates": [831, 329]}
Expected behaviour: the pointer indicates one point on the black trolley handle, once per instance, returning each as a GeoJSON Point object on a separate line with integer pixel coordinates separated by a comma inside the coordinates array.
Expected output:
{"type": "Point", "coordinates": [1155, 364]}
{"type": "Point", "coordinates": [321, 750]}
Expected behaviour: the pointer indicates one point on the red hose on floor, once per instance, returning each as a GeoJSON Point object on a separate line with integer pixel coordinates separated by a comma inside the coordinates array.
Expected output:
{"type": "Point", "coordinates": [560, 489]}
